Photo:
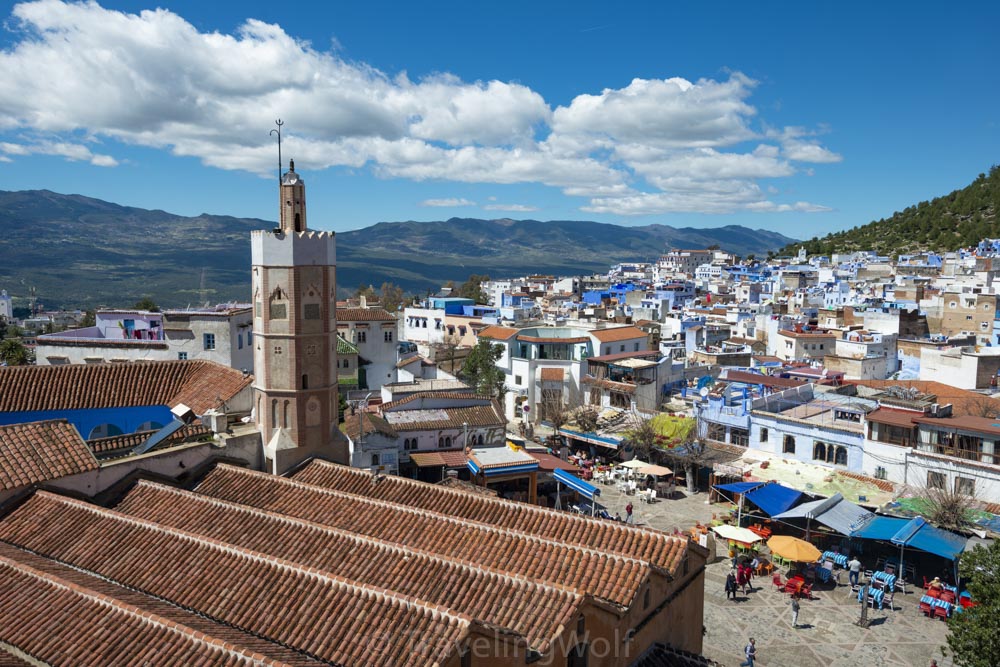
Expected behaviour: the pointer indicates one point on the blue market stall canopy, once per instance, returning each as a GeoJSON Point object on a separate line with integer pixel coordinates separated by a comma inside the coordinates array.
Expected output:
{"type": "Point", "coordinates": [774, 498]}
{"type": "Point", "coordinates": [738, 487]}
{"type": "Point", "coordinates": [918, 534]}
{"type": "Point", "coordinates": [913, 533]}
{"type": "Point", "coordinates": [880, 528]}
{"type": "Point", "coordinates": [834, 512]}
{"type": "Point", "coordinates": [588, 491]}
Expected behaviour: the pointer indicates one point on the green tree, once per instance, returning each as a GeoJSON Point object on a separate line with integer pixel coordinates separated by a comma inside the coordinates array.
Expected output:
{"type": "Point", "coordinates": [146, 303]}
{"type": "Point", "coordinates": [13, 353]}
{"type": "Point", "coordinates": [364, 291]}
{"type": "Point", "coordinates": [480, 369]}
{"type": "Point", "coordinates": [392, 296]}
{"type": "Point", "coordinates": [975, 633]}
{"type": "Point", "coordinates": [473, 288]}
{"type": "Point", "coordinates": [89, 319]}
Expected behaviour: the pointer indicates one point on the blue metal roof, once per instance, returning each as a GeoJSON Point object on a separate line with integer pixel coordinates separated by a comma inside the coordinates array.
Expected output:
{"type": "Point", "coordinates": [880, 528]}
{"type": "Point", "coordinates": [585, 489]}
{"type": "Point", "coordinates": [918, 534]}
{"type": "Point", "coordinates": [774, 498]}
{"type": "Point", "coordinates": [738, 487]}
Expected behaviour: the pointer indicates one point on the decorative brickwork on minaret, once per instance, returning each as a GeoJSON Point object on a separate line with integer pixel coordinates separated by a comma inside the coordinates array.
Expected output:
{"type": "Point", "coordinates": [295, 335]}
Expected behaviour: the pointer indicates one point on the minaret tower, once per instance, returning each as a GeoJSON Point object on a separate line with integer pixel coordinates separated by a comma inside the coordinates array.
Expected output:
{"type": "Point", "coordinates": [295, 335]}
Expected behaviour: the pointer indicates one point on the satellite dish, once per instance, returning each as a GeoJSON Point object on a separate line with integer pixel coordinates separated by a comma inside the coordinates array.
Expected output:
{"type": "Point", "coordinates": [703, 392]}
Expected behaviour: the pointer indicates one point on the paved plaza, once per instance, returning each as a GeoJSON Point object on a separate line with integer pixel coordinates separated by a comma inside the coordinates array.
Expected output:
{"type": "Point", "coordinates": [828, 636]}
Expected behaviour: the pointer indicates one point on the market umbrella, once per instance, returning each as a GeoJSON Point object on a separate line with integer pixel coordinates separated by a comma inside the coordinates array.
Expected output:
{"type": "Point", "coordinates": [655, 470]}
{"type": "Point", "coordinates": [793, 549]}
{"type": "Point", "coordinates": [634, 463]}
{"type": "Point", "coordinates": [744, 535]}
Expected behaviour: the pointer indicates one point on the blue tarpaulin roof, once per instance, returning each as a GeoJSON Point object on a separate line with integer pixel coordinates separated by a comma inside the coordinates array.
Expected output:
{"type": "Point", "coordinates": [918, 534]}
{"type": "Point", "coordinates": [880, 528]}
{"type": "Point", "coordinates": [585, 489]}
{"type": "Point", "coordinates": [913, 533]}
{"type": "Point", "coordinates": [774, 498]}
{"type": "Point", "coordinates": [738, 487]}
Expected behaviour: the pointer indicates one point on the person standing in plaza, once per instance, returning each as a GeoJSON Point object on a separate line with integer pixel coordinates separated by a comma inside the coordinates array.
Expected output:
{"type": "Point", "coordinates": [628, 513]}
{"type": "Point", "coordinates": [854, 566]}
{"type": "Point", "coordinates": [795, 613]}
{"type": "Point", "coordinates": [731, 585]}
{"type": "Point", "coordinates": [751, 653]}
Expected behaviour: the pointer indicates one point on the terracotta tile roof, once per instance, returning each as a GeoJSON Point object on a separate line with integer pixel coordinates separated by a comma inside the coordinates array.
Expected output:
{"type": "Point", "coordinates": [152, 606]}
{"type": "Point", "coordinates": [468, 395]}
{"type": "Point", "coordinates": [197, 384]}
{"type": "Point", "coordinates": [120, 444]}
{"type": "Point", "coordinates": [479, 416]}
{"type": "Point", "coordinates": [497, 332]}
{"type": "Point", "coordinates": [322, 615]}
{"type": "Point", "coordinates": [618, 333]}
{"type": "Point", "coordinates": [963, 402]}
{"type": "Point", "coordinates": [371, 423]}
{"type": "Point", "coordinates": [659, 549]}
{"type": "Point", "coordinates": [527, 608]}
{"type": "Point", "coordinates": [40, 451]}
{"type": "Point", "coordinates": [364, 315]}
{"type": "Point", "coordinates": [552, 374]}
{"type": "Point", "coordinates": [903, 418]}
{"type": "Point", "coordinates": [616, 579]}
{"type": "Point", "coordinates": [450, 458]}
{"type": "Point", "coordinates": [57, 622]}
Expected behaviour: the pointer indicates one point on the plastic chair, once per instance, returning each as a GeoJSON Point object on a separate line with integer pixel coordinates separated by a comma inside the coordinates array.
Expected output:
{"type": "Point", "coordinates": [926, 610]}
{"type": "Point", "coordinates": [777, 582]}
{"type": "Point", "coordinates": [806, 591]}
{"type": "Point", "coordinates": [941, 612]}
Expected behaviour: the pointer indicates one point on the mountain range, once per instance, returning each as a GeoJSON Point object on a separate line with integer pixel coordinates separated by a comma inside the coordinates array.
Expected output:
{"type": "Point", "coordinates": [82, 252]}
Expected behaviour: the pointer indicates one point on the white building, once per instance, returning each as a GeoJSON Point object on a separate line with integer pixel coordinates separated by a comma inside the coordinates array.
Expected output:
{"type": "Point", "coordinates": [6, 306]}
{"type": "Point", "coordinates": [223, 334]}
{"type": "Point", "coordinates": [373, 332]}
{"type": "Point", "coordinates": [544, 365]}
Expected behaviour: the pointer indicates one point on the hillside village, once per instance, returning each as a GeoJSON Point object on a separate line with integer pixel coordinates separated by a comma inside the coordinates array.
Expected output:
{"type": "Point", "coordinates": [859, 382]}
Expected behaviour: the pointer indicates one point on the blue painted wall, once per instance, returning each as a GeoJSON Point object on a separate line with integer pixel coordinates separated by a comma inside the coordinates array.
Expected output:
{"type": "Point", "coordinates": [126, 419]}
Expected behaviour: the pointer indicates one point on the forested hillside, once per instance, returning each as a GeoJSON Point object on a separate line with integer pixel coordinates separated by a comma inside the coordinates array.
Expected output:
{"type": "Point", "coordinates": [958, 219]}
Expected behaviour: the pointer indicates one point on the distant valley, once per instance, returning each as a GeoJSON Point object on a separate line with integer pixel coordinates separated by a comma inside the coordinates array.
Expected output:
{"type": "Point", "coordinates": [82, 252]}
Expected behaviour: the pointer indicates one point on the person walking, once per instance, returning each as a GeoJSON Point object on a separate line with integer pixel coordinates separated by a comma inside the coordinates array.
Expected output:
{"type": "Point", "coordinates": [854, 566]}
{"type": "Point", "coordinates": [743, 577]}
{"type": "Point", "coordinates": [628, 512]}
{"type": "Point", "coordinates": [795, 613]}
{"type": "Point", "coordinates": [731, 585]}
{"type": "Point", "coordinates": [751, 653]}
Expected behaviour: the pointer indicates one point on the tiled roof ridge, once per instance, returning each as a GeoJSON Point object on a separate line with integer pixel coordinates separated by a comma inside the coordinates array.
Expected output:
{"type": "Point", "coordinates": [445, 517]}
{"type": "Point", "coordinates": [520, 507]}
{"type": "Point", "coordinates": [433, 394]}
{"type": "Point", "coordinates": [366, 590]}
{"type": "Point", "coordinates": [147, 617]}
{"type": "Point", "coordinates": [362, 539]}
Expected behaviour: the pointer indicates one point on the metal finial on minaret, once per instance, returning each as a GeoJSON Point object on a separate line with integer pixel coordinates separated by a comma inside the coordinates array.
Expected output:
{"type": "Point", "coordinates": [279, 123]}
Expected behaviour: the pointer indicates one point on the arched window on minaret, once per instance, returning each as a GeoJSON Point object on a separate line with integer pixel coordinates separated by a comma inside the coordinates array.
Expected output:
{"type": "Point", "coordinates": [298, 222]}
{"type": "Point", "coordinates": [274, 413]}
{"type": "Point", "coordinates": [285, 421]}
{"type": "Point", "coordinates": [278, 306]}
{"type": "Point", "coordinates": [305, 381]}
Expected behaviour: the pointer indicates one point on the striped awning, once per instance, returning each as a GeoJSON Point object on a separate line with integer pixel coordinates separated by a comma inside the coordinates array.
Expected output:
{"type": "Point", "coordinates": [585, 489]}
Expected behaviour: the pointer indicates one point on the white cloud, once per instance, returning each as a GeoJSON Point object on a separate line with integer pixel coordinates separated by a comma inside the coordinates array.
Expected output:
{"type": "Point", "coordinates": [153, 79]}
{"type": "Point", "coordinates": [517, 208]}
{"type": "Point", "coordinates": [70, 151]}
{"type": "Point", "coordinates": [444, 203]}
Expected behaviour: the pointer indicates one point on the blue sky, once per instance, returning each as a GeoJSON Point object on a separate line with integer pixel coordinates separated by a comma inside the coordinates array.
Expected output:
{"type": "Point", "coordinates": [791, 117]}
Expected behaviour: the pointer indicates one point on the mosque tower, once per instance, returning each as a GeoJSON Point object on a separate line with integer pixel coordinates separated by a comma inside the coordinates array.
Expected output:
{"type": "Point", "coordinates": [295, 336]}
